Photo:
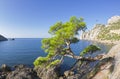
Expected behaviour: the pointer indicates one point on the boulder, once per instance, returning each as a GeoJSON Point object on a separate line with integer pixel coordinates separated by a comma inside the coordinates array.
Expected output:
{"type": "Point", "coordinates": [109, 68]}
{"type": "Point", "coordinates": [47, 73]}
{"type": "Point", "coordinates": [22, 72]}
{"type": "Point", "coordinates": [68, 73]}
{"type": "Point", "coordinates": [4, 70]}
{"type": "Point", "coordinates": [115, 52]}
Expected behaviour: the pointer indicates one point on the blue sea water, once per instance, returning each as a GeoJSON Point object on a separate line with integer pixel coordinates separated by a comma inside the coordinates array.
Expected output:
{"type": "Point", "coordinates": [26, 50]}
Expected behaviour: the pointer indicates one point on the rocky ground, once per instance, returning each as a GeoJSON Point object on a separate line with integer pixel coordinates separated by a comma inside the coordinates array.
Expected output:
{"type": "Point", "coordinates": [17, 72]}
{"type": "Point", "coordinates": [107, 41]}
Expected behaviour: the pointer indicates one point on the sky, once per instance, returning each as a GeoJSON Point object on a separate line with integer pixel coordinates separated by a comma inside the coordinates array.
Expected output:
{"type": "Point", "coordinates": [33, 18]}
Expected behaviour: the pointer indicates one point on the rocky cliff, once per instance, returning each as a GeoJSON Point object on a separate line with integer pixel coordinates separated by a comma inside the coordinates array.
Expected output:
{"type": "Point", "coordinates": [110, 70]}
{"type": "Point", "coordinates": [2, 38]}
{"type": "Point", "coordinates": [92, 34]}
{"type": "Point", "coordinates": [113, 19]}
{"type": "Point", "coordinates": [110, 31]}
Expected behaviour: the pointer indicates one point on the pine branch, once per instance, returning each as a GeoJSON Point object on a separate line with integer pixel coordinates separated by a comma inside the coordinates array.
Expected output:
{"type": "Point", "coordinates": [98, 57]}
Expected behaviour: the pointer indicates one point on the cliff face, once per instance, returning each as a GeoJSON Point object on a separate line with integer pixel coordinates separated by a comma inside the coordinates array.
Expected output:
{"type": "Point", "coordinates": [111, 69]}
{"type": "Point", "coordinates": [2, 38]}
{"type": "Point", "coordinates": [110, 31]}
{"type": "Point", "coordinates": [92, 34]}
{"type": "Point", "coordinates": [113, 19]}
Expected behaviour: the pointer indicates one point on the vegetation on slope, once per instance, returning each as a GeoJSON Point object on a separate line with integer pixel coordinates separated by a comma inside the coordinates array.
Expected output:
{"type": "Point", "coordinates": [106, 33]}
{"type": "Point", "coordinates": [89, 49]}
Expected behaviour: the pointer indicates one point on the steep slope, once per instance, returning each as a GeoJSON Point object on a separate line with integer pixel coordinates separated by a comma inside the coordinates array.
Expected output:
{"type": "Point", "coordinates": [92, 34]}
{"type": "Point", "coordinates": [110, 31]}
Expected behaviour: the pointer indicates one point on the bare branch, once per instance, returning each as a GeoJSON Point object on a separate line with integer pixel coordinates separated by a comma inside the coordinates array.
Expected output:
{"type": "Point", "coordinates": [98, 57]}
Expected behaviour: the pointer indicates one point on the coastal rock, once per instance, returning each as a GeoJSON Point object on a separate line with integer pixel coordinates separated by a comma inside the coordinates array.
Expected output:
{"type": "Point", "coordinates": [50, 73]}
{"type": "Point", "coordinates": [92, 34]}
{"type": "Point", "coordinates": [4, 70]}
{"type": "Point", "coordinates": [115, 52]}
{"type": "Point", "coordinates": [22, 72]}
{"type": "Point", "coordinates": [110, 68]}
{"type": "Point", "coordinates": [2, 38]}
{"type": "Point", "coordinates": [113, 19]}
{"type": "Point", "coordinates": [68, 73]}
{"type": "Point", "coordinates": [106, 68]}
{"type": "Point", "coordinates": [103, 70]}
{"type": "Point", "coordinates": [110, 31]}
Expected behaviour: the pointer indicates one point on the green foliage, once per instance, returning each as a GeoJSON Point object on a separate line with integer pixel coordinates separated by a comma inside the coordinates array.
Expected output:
{"type": "Point", "coordinates": [40, 60]}
{"type": "Point", "coordinates": [53, 63]}
{"type": "Point", "coordinates": [106, 35]}
{"type": "Point", "coordinates": [61, 33]}
{"type": "Point", "coordinates": [90, 48]}
{"type": "Point", "coordinates": [74, 40]}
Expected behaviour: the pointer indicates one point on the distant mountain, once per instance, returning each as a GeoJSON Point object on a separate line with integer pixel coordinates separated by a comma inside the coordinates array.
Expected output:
{"type": "Point", "coordinates": [110, 31]}
{"type": "Point", "coordinates": [2, 38]}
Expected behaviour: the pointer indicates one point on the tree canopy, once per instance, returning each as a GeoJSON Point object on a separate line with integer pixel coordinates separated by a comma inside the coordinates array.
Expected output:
{"type": "Point", "coordinates": [62, 36]}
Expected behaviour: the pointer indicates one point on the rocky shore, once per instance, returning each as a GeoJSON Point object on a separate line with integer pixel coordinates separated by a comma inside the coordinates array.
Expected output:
{"type": "Point", "coordinates": [106, 68]}
{"type": "Point", "coordinates": [17, 72]}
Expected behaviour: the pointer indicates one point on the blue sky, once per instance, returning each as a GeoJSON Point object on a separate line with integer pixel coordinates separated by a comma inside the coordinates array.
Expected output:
{"type": "Point", "coordinates": [32, 18]}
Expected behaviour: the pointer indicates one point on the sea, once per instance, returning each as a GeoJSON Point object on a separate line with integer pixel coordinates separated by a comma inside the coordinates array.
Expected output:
{"type": "Point", "coordinates": [26, 50]}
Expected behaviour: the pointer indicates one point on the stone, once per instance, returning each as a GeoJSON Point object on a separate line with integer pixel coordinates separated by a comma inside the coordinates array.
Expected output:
{"type": "Point", "coordinates": [66, 73]}
{"type": "Point", "coordinates": [101, 71]}
{"type": "Point", "coordinates": [115, 52]}
{"type": "Point", "coordinates": [113, 19]}
{"type": "Point", "coordinates": [5, 68]}
{"type": "Point", "coordinates": [50, 73]}
{"type": "Point", "coordinates": [22, 72]}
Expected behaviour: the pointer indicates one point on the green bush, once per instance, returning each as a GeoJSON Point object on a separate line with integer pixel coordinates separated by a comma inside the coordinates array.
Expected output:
{"type": "Point", "coordinates": [90, 48]}
{"type": "Point", "coordinates": [106, 35]}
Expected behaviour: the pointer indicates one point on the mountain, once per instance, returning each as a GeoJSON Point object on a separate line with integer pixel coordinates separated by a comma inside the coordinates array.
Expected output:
{"type": "Point", "coordinates": [2, 38]}
{"type": "Point", "coordinates": [110, 31]}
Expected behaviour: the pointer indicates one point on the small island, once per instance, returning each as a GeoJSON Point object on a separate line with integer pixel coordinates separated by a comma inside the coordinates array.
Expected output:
{"type": "Point", "coordinates": [12, 39]}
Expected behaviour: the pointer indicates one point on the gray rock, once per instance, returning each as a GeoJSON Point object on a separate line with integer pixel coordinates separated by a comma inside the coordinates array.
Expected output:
{"type": "Point", "coordinates": [68, 73]}
{"type": "Point", "coordinates": [92, 34]}
{"type": "Point", "coordinates": [5, 68]}
{"type": "Point", "coordinates": [115, 52]}
{"type": "Point", "coordinates": [50, 73]}
{"type": "Point", "coordinates": [22, 72]}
